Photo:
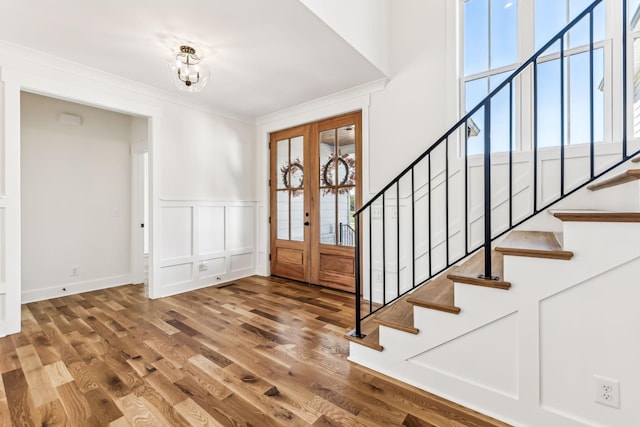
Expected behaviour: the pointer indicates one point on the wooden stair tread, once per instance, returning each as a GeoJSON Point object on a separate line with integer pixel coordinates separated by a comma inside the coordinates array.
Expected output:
{"type": "Point", "coordinates": [636, 159]}
{"type": "Point", "coordinates": [596, 216]}
{"type": "Point", "coordinates": [538, 244]}
{"type": "Point", "coordinates": [469, 271]}
{"type": "Point", "coordinates": [436, 294]}
{"type": "Point", "coordinates": [626, 176]}
{"type": "Point", "coordinates": [398, 315]}
{"type": "Point", "coordinates": [372, 335]}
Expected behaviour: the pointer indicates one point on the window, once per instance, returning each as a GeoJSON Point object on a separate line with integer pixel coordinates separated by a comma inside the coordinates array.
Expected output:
{"type": "Point", "coordinates": [493, 44]}
{"type": "Point", "coordinates": [490, 55]}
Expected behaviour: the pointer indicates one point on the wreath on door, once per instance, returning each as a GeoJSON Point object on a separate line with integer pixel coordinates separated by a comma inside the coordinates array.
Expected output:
{"type": "Point", "coordinates": [345, 162]}
{"type": "Point", "coordinates": [289, 173]}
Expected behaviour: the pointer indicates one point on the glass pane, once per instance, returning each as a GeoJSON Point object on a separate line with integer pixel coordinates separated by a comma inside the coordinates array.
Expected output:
{"type": "Point", "coordinates": [347, 155]}
{"type": "Point", "coordinates": [500, 121]}
{"type": "Point", "coordinates": [326, 158]}
{"type": "Point", "coordinates": [346, 208]}
{"type": "Point", "coordinates": [636, 87]}
{"type": "Point", "coordinates": [551, 17]}
{"type": "Point", "coordinates": [475, 137]}
{"type": "Point", "coordinates": [327, 217]}
{"type": "Point", "coordinates": [579, 94]}
{"type": "Point", "coordinates": [283, 215]}
{"type": "Point", "coordinates": [297, 216]}
{"type": "Point", "coordinates": [504, 33]}
{"type": "Point", "coordinates": [632, 13]}
{"type": "Point", "coordinates": [476, 36]}
{"type": "Point", "coordinates": [475, 91]}
{"type": "Point", "coordinates": [282, 163]}
{"type": "Point", "coordinates": [496, 79]}
{"type": "Point", "coordinates": [297, 161]}
{"type": "Point", "coordinates": [579, 34]}
{"type": "Point", "coordinates": [548, 111]}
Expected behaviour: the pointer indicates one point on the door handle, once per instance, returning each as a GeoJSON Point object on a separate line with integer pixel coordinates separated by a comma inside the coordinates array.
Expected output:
{"type": "Point", "coordinates": [306, 223]}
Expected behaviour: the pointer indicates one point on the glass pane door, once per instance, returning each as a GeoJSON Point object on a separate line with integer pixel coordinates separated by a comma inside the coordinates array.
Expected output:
{"type": "Point", "coordinates": [337, 165]}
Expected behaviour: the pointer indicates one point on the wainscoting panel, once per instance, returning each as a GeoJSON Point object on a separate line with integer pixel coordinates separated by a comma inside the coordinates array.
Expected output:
{"type": "Point", "coordinates": [240, 227]}
{"type": "Point", "coordinates": [205, 243]}
{"type": "Point", "coordinates": [180, 273]}
{"type": "Point", "coordinates": [177, 227]}
{"type": "Point", "coordinates": [211, 229]}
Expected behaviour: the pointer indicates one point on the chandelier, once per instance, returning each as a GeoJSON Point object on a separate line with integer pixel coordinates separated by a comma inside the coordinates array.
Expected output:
{"type": "Point", "coordinates": [187, 71]}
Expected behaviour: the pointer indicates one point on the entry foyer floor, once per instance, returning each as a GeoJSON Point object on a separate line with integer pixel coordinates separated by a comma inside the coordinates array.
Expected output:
{"type": "Point", "coordinates": [259, 352]}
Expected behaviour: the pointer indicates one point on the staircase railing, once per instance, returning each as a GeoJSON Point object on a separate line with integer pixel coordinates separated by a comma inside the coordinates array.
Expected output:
{"type": "Point", "coordinates": [346, 235]}
{"type": "Point", "coordinates": [411, 217]}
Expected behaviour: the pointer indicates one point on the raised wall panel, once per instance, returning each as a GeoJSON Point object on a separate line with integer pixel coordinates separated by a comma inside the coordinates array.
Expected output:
{"type": "Point", "coordinates": [177, 229]}
{"type": "Point", "coordinates": [211, 229]}
{"type": "Point", "coordinates": [239, 227]}
{"type": "Point", "coordinates": [215, 267]}
{"type": "Point", "coordinates": [241, 262]}
{"type": "Point", "coordinates": [595, 327]}
{"type": "Point", "coordinates": [176, 274]}
{"type": "Point", "coordinates": [495, 351]}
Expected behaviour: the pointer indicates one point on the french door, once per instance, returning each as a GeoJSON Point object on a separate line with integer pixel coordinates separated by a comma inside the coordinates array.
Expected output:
{"type": "Point", "coordinates": [315, 189]}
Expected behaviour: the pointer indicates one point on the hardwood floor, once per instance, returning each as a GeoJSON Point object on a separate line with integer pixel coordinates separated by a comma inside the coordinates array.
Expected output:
{"type": "Point", "coordinates": [259, 352]}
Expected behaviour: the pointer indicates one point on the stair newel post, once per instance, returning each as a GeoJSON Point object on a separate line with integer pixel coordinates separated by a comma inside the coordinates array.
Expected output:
{"type": "Point", "coordinates": [487, 189]}
{"type": "Point", "coordinates": [358, 331]}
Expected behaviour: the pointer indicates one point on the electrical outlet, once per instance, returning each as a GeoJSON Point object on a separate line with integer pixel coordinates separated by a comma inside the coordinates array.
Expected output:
{"type": "Point", "coordinates": [75, 270]}
{"type": "Point", "coordinates": [607, 391]}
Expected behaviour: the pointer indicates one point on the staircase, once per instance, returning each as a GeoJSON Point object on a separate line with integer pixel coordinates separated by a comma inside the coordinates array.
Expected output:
{"type": "Point", "coordinates": [419, 337]}
{"type": "Point", "coordinates": [517, 317]}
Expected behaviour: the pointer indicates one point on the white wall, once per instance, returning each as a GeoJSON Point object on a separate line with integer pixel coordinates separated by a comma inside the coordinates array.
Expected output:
{"type": "Point", "coordinates": [188, 146]}
{"type": "Point", "coordinates": [206, 157]}
{"type": "Point", "coordinates": [362, 23]}
{"type": "Point", "coordinates": [416, 106]}
{"type": "Point", "coordinates": [75, 198]}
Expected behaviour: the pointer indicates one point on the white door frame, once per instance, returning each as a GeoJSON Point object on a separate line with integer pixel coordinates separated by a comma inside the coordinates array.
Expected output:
{"type": "Point", "coordinates": [138, 149]}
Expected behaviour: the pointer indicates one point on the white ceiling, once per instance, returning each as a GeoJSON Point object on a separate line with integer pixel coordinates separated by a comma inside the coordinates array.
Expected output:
{"type": "Point", "coordinates": [264, 55]}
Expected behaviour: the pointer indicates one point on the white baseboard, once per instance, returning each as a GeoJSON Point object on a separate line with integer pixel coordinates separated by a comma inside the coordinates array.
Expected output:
{"type": "Point", "coordinates": [74, 288]}
{"type": "Point", "coordinates": [192, 285]}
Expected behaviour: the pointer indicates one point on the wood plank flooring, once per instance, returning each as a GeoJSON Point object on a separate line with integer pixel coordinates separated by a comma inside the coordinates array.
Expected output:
{"type": "Point", "coordinates": [259, 352]}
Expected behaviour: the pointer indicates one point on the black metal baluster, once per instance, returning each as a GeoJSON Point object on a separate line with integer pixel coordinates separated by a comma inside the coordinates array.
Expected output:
{"type": "Point", "coordinates": [358, 331]}
{"type": "Point", "coordinates": [562, 122]}
{"type": "Point", "coordinates": [592, 136]}
{"type": "Point", "coordinates": [446, 199]}
{"type": "Point", "coordinates": [384, 261]}
{"type": "Point", "coordinates": [624, 77]}
{"type": "Point", "coordinates": [487, 189]}
{"type": "Point", "coordinates": [429, 205]}
{"type": "Point", "coordinates": [413, 231]}
{"type": "Point", "coordinates": [535, 136]}
{"type": "Point", "coordinates": [466, 187]}
{"type": "Point", "coordinates": [511, 154]}
{"type": "Point", "coordinates": [370, 263]}
{"type": "Point", "coordinates": [398, 234]}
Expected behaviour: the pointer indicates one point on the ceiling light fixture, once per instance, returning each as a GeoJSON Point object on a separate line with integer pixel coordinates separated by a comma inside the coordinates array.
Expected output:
{"type": "Point", "coordinates": [187, 71]}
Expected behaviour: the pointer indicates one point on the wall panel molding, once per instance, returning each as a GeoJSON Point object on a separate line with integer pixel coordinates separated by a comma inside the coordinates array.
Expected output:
{"type": "Point", "coordinates": [221, 238]}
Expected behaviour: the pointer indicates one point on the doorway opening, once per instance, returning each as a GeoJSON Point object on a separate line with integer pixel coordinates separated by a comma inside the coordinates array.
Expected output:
{"type": "Point", "coordinates": [78, 197]}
